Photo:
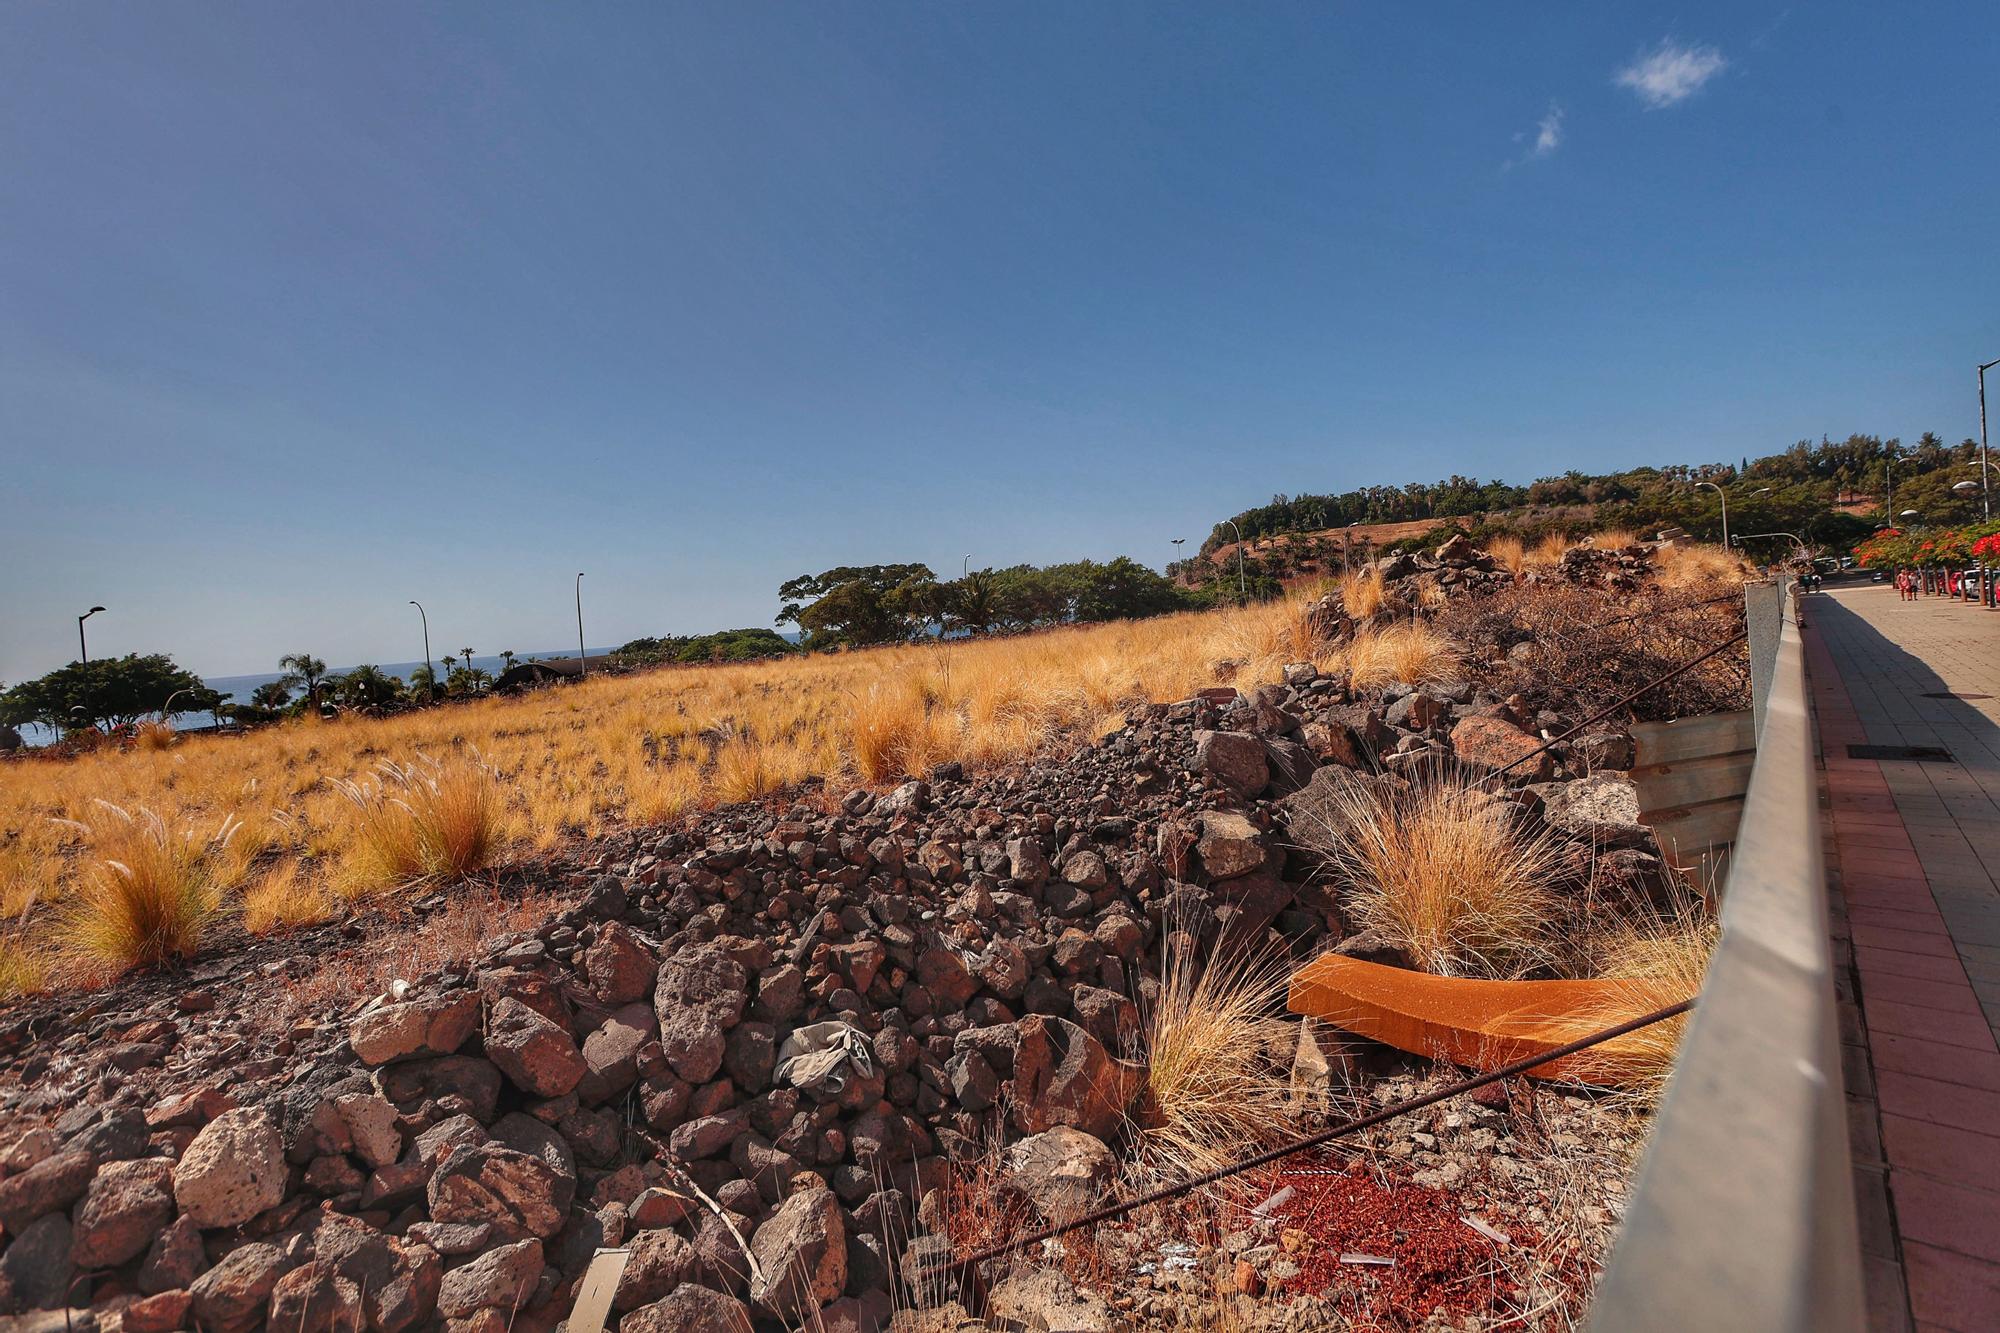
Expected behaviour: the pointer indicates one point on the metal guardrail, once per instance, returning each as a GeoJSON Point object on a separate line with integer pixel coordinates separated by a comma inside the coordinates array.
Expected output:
{"type": "Point", "coordinates": [1743, 1213]}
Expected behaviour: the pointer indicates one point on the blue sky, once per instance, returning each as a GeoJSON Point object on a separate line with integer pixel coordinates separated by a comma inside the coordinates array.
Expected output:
{"type": "Point", "coordinates": [309, 310]}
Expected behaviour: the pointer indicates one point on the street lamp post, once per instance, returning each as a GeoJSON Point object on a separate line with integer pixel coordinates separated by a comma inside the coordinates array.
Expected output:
{"type": "Point", "coordinates": [1724, 496]}
{"type": "Point", "coordinates": [83, 649]}
{"type": "Point", "coordinates": [428, 664]}
{"type": "Point", "coordinates": [963, 567]}
{"type": "Point", "coordinates": [582, 660]}
{"type": "Point", "coordinates": [1985, 485]}
{"type": "Point", "coordinates": [1242, 592]}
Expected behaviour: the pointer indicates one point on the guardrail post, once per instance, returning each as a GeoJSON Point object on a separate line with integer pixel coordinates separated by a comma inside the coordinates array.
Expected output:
{"type": "Point", "coordinates": [1763, 610]}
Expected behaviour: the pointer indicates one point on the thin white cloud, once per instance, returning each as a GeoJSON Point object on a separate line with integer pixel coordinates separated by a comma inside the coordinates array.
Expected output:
{"type": "Point", "coordinates": [1548, 137]}
{"type": "Point", "coordinates": [1670, 73]}
{"type": "Point", "coordinates": [1549, 132]}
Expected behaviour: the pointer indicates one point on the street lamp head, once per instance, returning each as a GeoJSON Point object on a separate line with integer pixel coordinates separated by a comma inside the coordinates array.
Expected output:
{"type": "Point", "coordinates": [93, 610]}
{"type": "Point", "coordinates": [1761, 490]}
{"type": "Point", "coordinates": [1909, 513]}
{"type": "Point", "coordinates": [1965, 485]}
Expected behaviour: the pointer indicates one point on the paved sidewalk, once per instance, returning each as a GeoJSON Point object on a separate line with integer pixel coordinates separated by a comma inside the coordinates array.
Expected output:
{"type": "Point", "coordinates": [1913, 856]}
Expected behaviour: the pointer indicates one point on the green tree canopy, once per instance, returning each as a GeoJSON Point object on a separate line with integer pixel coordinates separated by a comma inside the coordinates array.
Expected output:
{"type": "Point", "coordinates": [110, 690]}
{"type": "Point", "coordinates": [856, 605]}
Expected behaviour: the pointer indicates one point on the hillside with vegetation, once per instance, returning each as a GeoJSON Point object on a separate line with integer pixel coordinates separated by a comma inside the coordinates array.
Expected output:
{"type": "Point", "coordinates": [1832, 494]}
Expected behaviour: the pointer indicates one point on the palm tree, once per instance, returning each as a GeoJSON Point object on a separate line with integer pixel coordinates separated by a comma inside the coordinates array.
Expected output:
{"type": "Point", "coordinates": [305, 671]}
{"type": "Point", "coordinates": [273, 695]}
{"type": "Point", "coordinates": [506, 659]}
{"type": "Point", "coordinates": [449, 663]}
{"type": "Point", "coordinates": [471, 685]}
{"type": "Point", "coordinates": [423, 683]}
{"type": "Point", "coordinates": [369, 686]}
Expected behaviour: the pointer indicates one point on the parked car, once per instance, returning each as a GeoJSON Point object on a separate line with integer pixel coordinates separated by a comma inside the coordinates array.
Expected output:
{"type": "Point", "coordinates": [1876, 577]}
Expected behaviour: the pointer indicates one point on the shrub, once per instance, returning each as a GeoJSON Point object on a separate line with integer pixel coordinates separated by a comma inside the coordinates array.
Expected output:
{"type": "Point", "coordinates": [148, 894]}
{"type": "Point", "coordinates": [1441, 871]}
{"type": "Point", "coordinates": [420, 821]}
{"type": "Point", "coordinates": [1211, 1088]}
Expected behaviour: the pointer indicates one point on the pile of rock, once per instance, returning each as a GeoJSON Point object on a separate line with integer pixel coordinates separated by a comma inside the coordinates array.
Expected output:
{"type": "Point", "coordinates": [752, 1051]}
{"type": "Point", "coordinates": [1619, 569]}
{"type": "Point", "coordinates": [1415, 583]}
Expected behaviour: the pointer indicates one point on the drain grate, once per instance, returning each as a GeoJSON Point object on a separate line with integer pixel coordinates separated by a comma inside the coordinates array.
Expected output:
{"type": "Point", "coordinates": [1936, 753]}
{"type": "Point", "coordinates": [1951, 694]}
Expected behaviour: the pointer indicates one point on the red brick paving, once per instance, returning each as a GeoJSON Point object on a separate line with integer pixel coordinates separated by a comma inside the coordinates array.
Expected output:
{"type": "Point", "coordinates": [1922, 1065]}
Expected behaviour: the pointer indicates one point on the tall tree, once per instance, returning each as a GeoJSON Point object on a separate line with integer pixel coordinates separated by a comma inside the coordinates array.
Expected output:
{"type": "Point", "coordinates": [109, 690]}
{"type": "Point", "coordinates": [306, 672]}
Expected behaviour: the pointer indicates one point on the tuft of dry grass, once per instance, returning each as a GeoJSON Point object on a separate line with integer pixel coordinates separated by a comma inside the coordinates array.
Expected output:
{"type": "Point", "coordinates": [286, 897]}
{"type": "Point", "coordinates": [1362, 593]}
{"type": "Point", "coordinates": [1656, 964]}
{"type": "Point", "coordinates": [1549, 550]}
{"type": "Point", "coordinates": [1442, 871]}
{"type": "Point", "coordinates": [1698, 565]}
{"type": "Point", "coordinates": [1211, 1089]}
{"type": "Point", "coordinates": [148, 893]}
{"type": "Point", "coordinates": [1414, 653]}
{"type": "Point", "coordinates": [23, 970]}
{"type": "Point", "coordinates": [153, 736]}
{"type": "Point", "coordinates": [1612, 539]}
{"type": "Point", "coordinates": [423, 820]}
{"type": "Point", "coordinates": [1509, 553]}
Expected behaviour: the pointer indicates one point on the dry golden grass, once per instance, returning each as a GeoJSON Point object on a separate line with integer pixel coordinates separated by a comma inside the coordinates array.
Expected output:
{"type": "Point", "coordinates": [1442, 872]}
{"type": "Point", "coordinates": [147, 893]}
{"type": "Point", "coordinates": [1509, 553]}
{"type": "Point", "coordinates": [1549, 550]}
{"type": "Point", "coordinates": [582, 758]}
{"type": "Point", "coordinates": [1611, 539]}
{"type": "Point", "coordinates": [1656, 964]}
{"type": "Point", "coordinates": [1698, 564]}
{"type": "Point", "coordinates": [153, 736]}
{"type": "Point", "coordinates": [419, 821]}
{"type": "Point", "coordinates": [1413, 653]}
{"type": "Point", "coordinates": [1211, 1089]}
{"type": "Point", "coordinates": [1362, 593]}
{"type": "Point", "coordinates": [285, 898]}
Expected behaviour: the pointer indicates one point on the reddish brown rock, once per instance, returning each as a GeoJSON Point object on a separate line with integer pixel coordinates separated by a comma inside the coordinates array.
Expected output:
{"type": "Point", "coordinates": [539, 1058]}
{"type": "Point", "coordinates": [51, 1184]}
{"type": "Point", "coordinates": [126, 1206]}
{"type": "Point", "coordinates": [1492, 743]}
{"type": "Point", "coordinates": [416, 1029]}
{"type": "Point", "coordinates": [620, 967]}
{"type": "Point", "coordinates": [162, 1312]}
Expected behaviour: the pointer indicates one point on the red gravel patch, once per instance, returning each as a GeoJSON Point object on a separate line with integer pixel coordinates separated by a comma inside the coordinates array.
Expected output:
{"type": "Point", "coordinates": [1441, 1264]}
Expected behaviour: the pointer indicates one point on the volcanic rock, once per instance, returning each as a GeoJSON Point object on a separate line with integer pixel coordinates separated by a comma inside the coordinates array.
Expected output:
{"type": "Point", "coordinates": [234, 1170]}
{"type": "Point", "coordinates": [127, 1204]}
{"type": "Point", "coordinates": [431, 1026]}
{"type": "Point", "coordinates": [539, 1057]}
{"type": "Point", "coordinates": [802, 1252]}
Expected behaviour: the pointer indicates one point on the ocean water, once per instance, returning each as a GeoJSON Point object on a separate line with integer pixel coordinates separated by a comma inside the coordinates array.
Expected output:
{"type": "Point", "coordinates": [237, 689]}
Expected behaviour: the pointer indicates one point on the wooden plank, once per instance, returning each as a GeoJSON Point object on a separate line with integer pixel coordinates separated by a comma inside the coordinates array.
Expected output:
{"type": "Point", "coordinates": [1693, 781]}
{"type": "Point", "coordinates": [1687, 832]}
{"type": "Point", "coordinates": [1693, 737]}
